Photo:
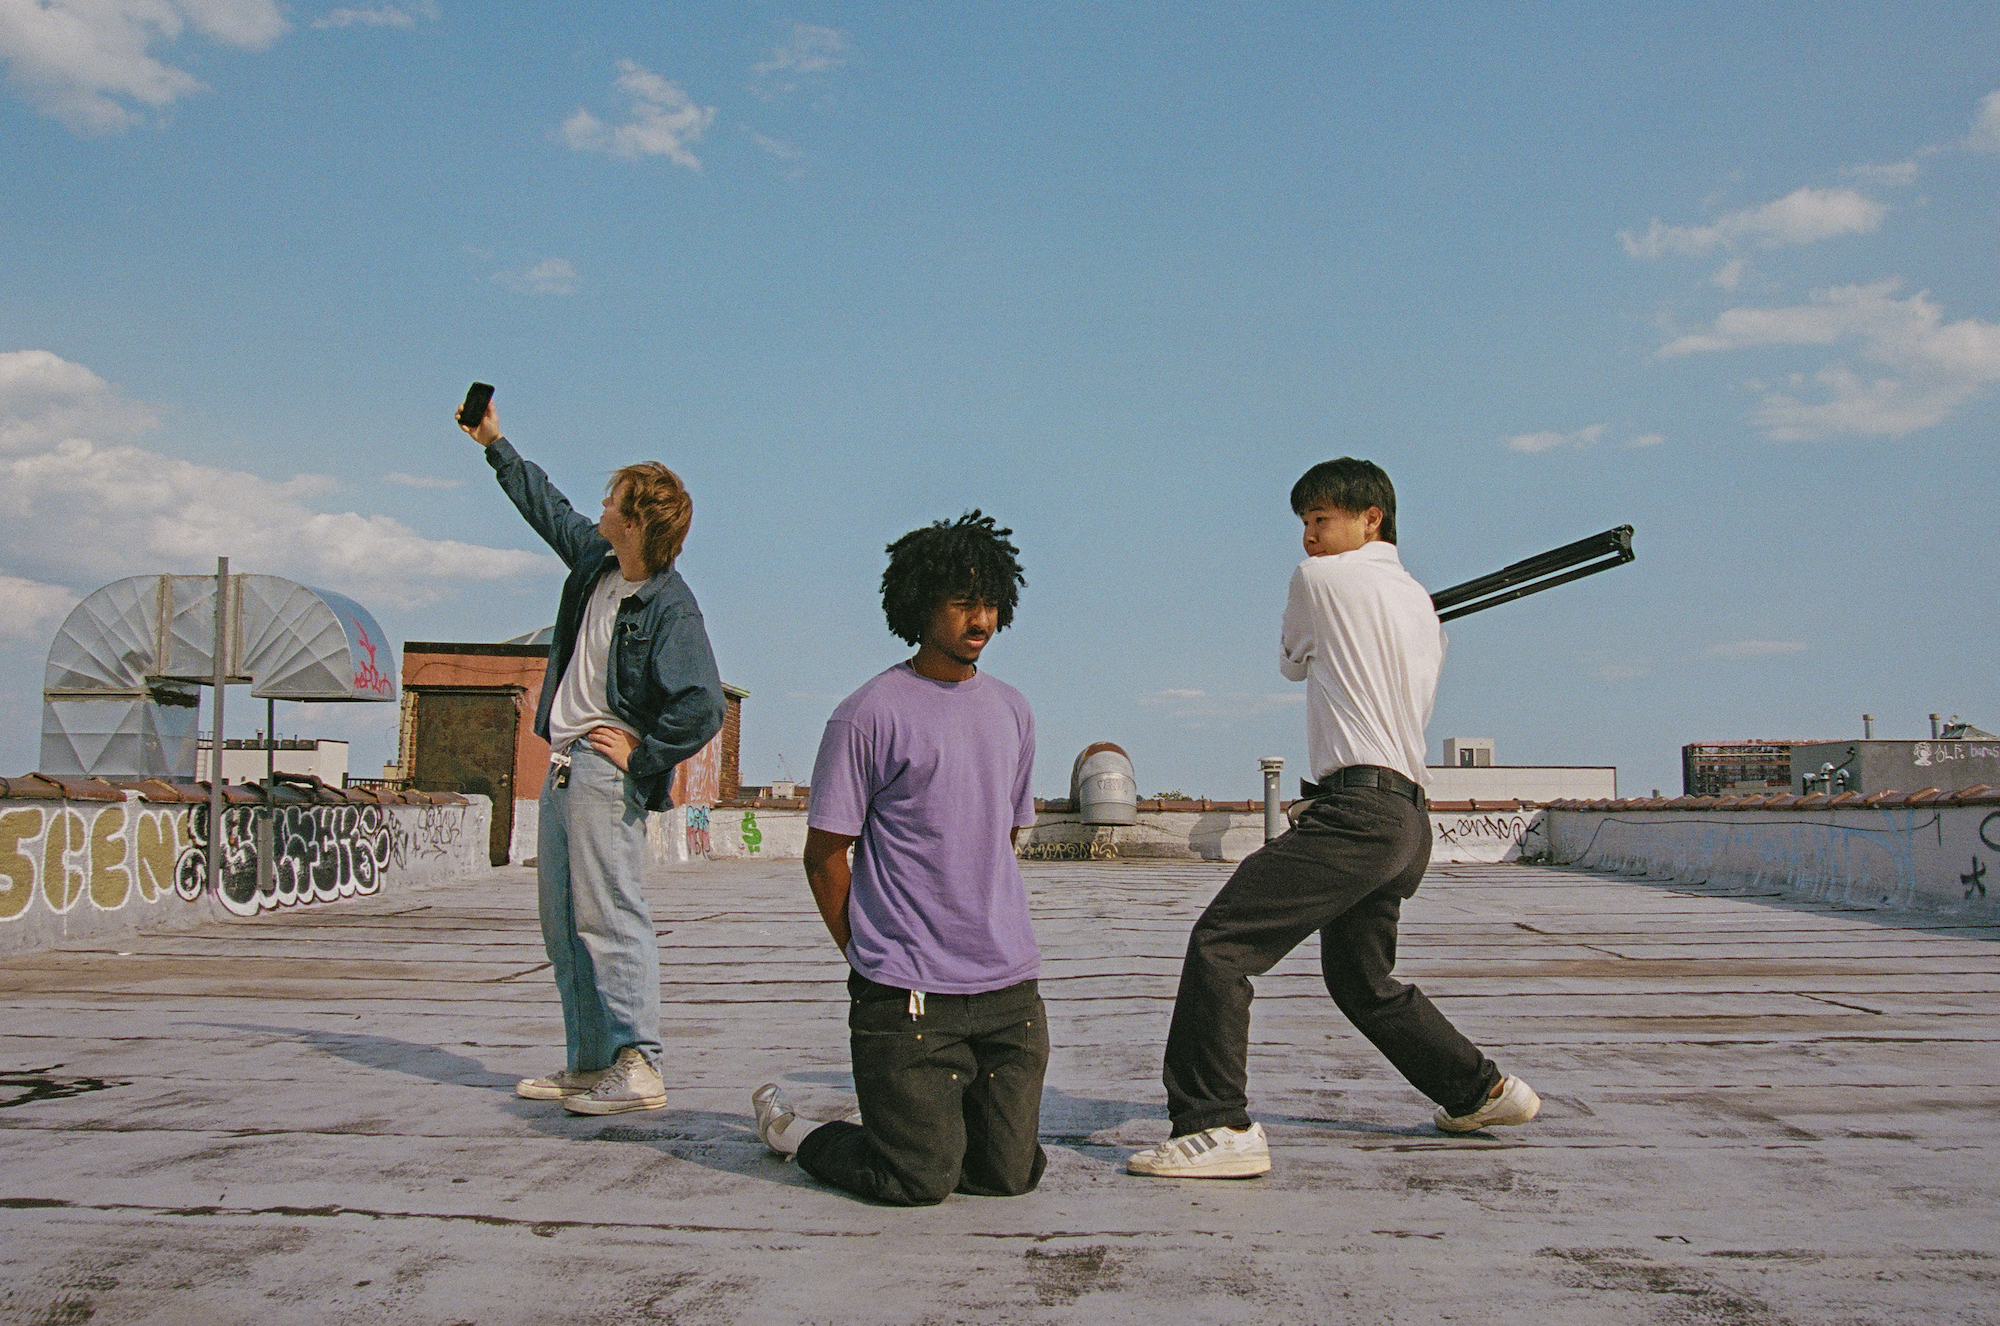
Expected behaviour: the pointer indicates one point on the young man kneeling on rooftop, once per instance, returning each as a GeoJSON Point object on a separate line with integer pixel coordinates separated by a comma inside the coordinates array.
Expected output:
{"type": "Point", "coordinates": [925, 771]}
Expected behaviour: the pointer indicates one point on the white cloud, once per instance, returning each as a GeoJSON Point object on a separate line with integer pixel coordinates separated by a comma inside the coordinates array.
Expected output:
{"type": "Point", "coordinates": [1730, 274]}
{"type": "Point", "coordinates": [1930, 368]}
{"type": "Point", "coordinates": [784, 153]}
{"type": "Point", "coordinates": [1985, 135]}
{"type": "Point", "coordinates": [45, 398]}
{"type": "Point", "coordinates": [1199, 709]}
{"type": "Point", "coordinates": [1894, 174]}
{"type": "Point", "coordinates": [1757, 648]}
{"type": "Point", "coordinates": [811, 50]}
{"type": "Point", "coordinates": [551, 276]}
{"type": "Point", "coordinates": [421, 480]}
{"type": "Point", "coordinates": [1647, 440]}
{"type": "Point", "coordinates": [663, 122]}
{"type": "Point", "coordinates": [85, 62]}
{"type": "Point", "coordinates": [93, 511]}
{"type": "Point", "coordinates": [377, 16]}
{"type": "Point", "coordinates": [29, 610]}
{"type": "Point", "coordinates": [1531, 443]}
{"type": "Point", "coordinates": [1803, 216]}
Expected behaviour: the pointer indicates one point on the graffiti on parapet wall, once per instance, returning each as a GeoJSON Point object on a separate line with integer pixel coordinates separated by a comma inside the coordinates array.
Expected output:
{"type": "Point", "coordinates": [753, 837]}
{"type": "Point", "coordinates": [318, 854]}
{"type": "Point", "coordinates": [1478, 827]}
{"type": "Point", "coordinates": [109, 855]}
{"type": "Point", "coordinates": [112, 855]}
{"type": "Point", "coordinates": [1485, 835]}
{"type": "Point", "coordinates": [437, 831]}
{"type": "Point", "coordinates": [697, 831]}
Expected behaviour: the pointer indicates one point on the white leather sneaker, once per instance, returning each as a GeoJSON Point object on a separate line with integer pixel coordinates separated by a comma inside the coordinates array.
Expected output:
{"type": "Point", "coordinates": [774, 1114]}
{"type": "Point", "coordinates": [1516, 1103]}
{"type": "Point", "coordinates": [629, 1084]}
{"type": "Point", "coordinates": [1217, 1153]}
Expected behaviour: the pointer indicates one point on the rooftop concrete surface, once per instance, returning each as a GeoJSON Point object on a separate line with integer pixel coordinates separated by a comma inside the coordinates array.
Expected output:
{"type": "Point", "coordinates": [1755, 1111]}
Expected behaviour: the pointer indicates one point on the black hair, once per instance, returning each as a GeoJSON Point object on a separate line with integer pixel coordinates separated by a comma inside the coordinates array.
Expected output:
{"type": "Point", "coordinates": [1348, 485]}
{"type": "Point", "coordinates": [966, 558]}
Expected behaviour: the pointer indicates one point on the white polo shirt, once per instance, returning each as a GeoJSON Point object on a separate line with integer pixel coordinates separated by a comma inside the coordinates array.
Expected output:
{"type": "Point", "coordinates": [1361, 633]}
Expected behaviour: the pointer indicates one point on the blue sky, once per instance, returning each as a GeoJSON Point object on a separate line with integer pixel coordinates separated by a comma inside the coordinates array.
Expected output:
{"type": "Point", "coordinates": [1116, 274]}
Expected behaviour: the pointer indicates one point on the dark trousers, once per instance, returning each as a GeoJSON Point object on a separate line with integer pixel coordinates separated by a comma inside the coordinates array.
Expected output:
{"type": "Point", "coordinates": [951, 1100]}
{"type": "Point", "coordinates": [1343, 871]}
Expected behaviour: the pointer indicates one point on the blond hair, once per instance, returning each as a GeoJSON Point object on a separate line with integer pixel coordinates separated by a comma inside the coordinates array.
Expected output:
{"type": "Point", "coordinates": [653, 497]}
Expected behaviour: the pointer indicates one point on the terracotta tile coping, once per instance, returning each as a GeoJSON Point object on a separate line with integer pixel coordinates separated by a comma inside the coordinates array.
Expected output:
{"type": "Point", "coordinates": [1978, 795]}
{"type": "Point", "coordinates": [48, 787]}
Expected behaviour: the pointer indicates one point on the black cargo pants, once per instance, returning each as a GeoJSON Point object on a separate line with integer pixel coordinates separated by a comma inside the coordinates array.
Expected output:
{"type": "Point", "coordinates": [951, 1100]}
{"type": "Point", "coordinates": [1343, 870]}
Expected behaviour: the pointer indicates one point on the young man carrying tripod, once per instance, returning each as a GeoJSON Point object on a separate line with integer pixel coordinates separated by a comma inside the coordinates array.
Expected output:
{"type": "Point", "coordinates": [1361, 632]}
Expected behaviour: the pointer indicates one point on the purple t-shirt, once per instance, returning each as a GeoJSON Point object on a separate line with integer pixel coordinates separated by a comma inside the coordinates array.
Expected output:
{"type": "Point", "coordinates": [931, 776]}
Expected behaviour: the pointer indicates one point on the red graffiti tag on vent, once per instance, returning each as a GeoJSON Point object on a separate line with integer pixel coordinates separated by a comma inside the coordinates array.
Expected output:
{"type": "Point", "coordinates": [368, 677]}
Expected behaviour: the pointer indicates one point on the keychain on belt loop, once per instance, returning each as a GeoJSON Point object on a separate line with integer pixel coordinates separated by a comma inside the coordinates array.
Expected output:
{"type": "Point", "coordinates": [916, 1004]}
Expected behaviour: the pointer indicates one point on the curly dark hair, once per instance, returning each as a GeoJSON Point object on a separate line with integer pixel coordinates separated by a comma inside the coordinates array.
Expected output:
{"type": "Point", "coordinates": [970, 557]}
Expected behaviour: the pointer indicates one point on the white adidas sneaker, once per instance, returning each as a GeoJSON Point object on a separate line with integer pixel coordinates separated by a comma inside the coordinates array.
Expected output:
{"type": "Point", "coordinates": [1516, 1103]}
{"type": "Point", "coordinates": [1217, 1153]}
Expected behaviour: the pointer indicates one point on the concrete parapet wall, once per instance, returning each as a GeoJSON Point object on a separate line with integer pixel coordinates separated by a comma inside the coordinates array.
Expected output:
{"type": "Point", "coordinates": [708, 833]}
{"type": "Point", "coordinates": [77, 869]}
{"type": "Point", "coordinates": [1188, 835]}
{"type": "Point", "coordinates": [1924, 855]}
{"type": "Point", "coordinates": [1460, 832]}
{"type": "Point", "coordinates": [1224, 831]}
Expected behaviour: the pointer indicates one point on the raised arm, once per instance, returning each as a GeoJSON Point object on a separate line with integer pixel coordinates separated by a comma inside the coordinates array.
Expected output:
{"type": "Point", "coordinates": [573, 535]}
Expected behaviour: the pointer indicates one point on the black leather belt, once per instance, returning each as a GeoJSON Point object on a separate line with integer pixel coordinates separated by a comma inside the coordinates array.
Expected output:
{"type": "Point", "coordinates": [1365, 775]}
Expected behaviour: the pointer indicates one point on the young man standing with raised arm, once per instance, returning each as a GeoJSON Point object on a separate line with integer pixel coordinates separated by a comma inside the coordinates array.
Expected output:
{"type": "Point", "coordinates": [925, 771]}
{"type": "Point", "coordinates": [631, 691]}
{"type": "Point", "coordinates": [1361, 633]}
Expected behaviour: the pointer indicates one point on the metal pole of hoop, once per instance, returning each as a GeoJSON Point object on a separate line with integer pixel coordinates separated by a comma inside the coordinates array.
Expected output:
{"type": "Point", "coordinates": [221, 681]}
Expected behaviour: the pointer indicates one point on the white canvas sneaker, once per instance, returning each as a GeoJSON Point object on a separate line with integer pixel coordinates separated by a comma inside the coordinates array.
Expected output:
{"type": "Point", "coordinates": [629, 1084]}
{"type": "Point", "coordinates": [558, 1084]}
{"type": "Point", "coordinates": [1217, 1153]}
{"type": "Point", "coordinates": [1516, 1103]}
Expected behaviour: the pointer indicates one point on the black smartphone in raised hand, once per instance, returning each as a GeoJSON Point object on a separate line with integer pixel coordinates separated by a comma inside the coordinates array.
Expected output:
{"type": "Point", "coordinates": [477, 399]}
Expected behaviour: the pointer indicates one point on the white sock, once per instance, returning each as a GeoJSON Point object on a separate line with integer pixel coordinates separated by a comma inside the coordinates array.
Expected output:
{"type": "Point", "coordinates": [786, 1140]}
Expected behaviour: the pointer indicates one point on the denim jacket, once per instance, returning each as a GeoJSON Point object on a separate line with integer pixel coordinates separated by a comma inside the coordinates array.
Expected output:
{"type": "Point", "coordinates": [661, 677]}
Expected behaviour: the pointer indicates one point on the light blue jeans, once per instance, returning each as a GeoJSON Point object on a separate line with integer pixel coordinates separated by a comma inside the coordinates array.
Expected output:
{"type": "Point", "coordinates": [590, 858]}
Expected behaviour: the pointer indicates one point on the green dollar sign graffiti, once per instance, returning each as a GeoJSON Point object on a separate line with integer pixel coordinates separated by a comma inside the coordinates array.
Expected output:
{"type": "Point", "coordinates": [753, 837]}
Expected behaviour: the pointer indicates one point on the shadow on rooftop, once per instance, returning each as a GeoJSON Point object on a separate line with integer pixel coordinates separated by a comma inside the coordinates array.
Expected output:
{"type": "Point", "coordinates": [1781, 899]}
{"type": "Point", "coordinates": [724, 1142]}
{"type": "Point", "coordinates": [1116, 1127]}
{"type": "Point", "coordinates": [429, 1062]}
{"type": "Point", "coordinates": [728, 1143]}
